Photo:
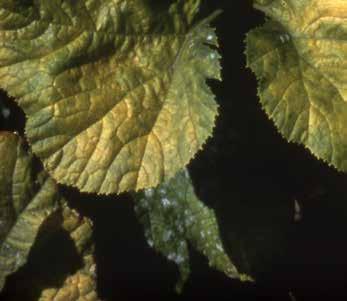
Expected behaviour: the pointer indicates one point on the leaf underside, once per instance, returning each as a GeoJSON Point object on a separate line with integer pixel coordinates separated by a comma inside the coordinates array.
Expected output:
{"type": "Point", "coordinates": [300, 59]}
{"type": "Point", "coordinates": [114, 91]}
{"type": "Point", "coordinates": [173, 217]}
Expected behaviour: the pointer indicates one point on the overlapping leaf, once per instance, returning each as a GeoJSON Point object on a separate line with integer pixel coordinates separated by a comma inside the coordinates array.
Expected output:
{"type": "Point", "coordinates": [114, 90]}
{"type": "Point", "coordinates": [26, 200]}
{"type": "Point", "coordinates": [172, 217]}
{"type": "Point", "coordinates": [81, 285]}
{"type": "Point", "coordinates": [300, 59]}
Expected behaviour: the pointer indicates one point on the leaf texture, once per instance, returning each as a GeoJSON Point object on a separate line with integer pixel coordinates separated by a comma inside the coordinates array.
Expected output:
{"type": "Point", "coordinates": [26, 200]}
{"type": "Point", "coordinates": [172, 217]}
{"type": "Point", "coordinates": [300, 60]}
{"type": "Point", "coordinates": [114, 91]}
{"type": "Point", "coordinates": [80, 286]}
{"type": "Point", "coordinates": [29, 201]}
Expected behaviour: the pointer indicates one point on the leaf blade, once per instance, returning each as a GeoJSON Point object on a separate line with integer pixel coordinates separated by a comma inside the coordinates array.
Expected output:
{"type": "Point", "coordinates": [120, 101]}
{"type": "Point", "coordinates": [23, 207]}
{"type": "Point", "coordinates": [299, 59]}
{"type": "Point", "coordinates": [82, 284]}
{"type": "Point", "coordinates": [173, 217]}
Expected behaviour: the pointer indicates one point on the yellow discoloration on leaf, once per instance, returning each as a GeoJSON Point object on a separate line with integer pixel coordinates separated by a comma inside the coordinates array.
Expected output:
{"type": "Point", "coordinates": [300, 59]}
{"type": "Point", "coordinates": [26, 201]}
{"type": "Point", "coordinates": [80, 286]}
{"type": "Point", "coordinates": [114, 90]}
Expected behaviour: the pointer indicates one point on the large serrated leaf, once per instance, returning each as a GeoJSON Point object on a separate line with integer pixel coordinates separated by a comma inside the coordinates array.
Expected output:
{"type": "Point", "coordinates": [172, 217]}
{"type": "Point", "coordinates": [114, 91]}
{"type": "Point", "coordinates": [300, 59]}
{"type": "Point", "coordinates": [26, 200]}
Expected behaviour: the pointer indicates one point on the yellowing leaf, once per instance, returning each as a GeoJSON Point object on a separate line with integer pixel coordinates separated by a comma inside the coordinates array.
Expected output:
{"type": "Point", "coordinates": [80, 286]}
{"type": "Point", "coordinates": [26, 200]}
{"type": "Point", "coordinates": [31, 207]}
{"type": "Point", "coordinates": [300, 60]}
{"type": "Point", "coordinates": [114, 91]}
{"type": "Point", "coordinates": [172, 217]}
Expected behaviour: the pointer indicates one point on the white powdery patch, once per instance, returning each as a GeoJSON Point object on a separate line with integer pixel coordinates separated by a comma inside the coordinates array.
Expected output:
{"type": "Point", "coordinates": [177, 258]}
{"type": "Point", "coordinates": [179, 227]}
{"type": "Point", "coordinates": [219, 247]}
{"type": "Point", "coordinates": [285, 38]}
{"type": "Point", "coordinates": [167, 236]}
{"type": "Point", "coordinates": [174, 202]}
{"type": "Point", "coordinates": [19, 259]}
{"type": "Point", "coordinates": [171, 256]}
{"type": "Point", "coordinates": [209, 37]}
{"type": "Point", "coordinates": [92, 269]}
{"type": "Point", "coordinates": [180, 194]}
{"type": "Point", "coordinates": [189, 220]}
{"type": "Point", "coordinates": [149, 193]}
{"type": "Point", "coordinates": [6, 247]}
{"type": "Point", "coordinates": [143, 203]}
{"type": "Point", "coordinates": [213, 55]}
{"type": "Point", "coordinates": [162, 191]}
{"type": "Point", "coordinates": [166, 202]}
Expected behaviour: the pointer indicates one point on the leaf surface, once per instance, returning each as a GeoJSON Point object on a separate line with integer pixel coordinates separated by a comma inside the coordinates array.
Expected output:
{"type": "Point", "coordinates": [26, 200]}
{"type": "Point", "coordinates": [173, 217]}
{"type": "Point", "coordinates": [32, 209]}
{"type": "Point", "coordinates": [300, 60]}
{"type": "Point", "coordinates": [80, 286]}
{"type": "Point", "coordinates": [114, 91]}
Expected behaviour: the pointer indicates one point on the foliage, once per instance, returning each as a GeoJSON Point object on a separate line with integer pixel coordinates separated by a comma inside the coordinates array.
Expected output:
{"type": "Point", "coordinates": [299, 57]}
{"type": "Point", "coordinates": [173, 216]}
{"type": "Point", "coordinates": [29, 199]}
{"type": "Point", "coordinates": [114, 92]}
{"type": "Point", "coordinates": [116, 100]}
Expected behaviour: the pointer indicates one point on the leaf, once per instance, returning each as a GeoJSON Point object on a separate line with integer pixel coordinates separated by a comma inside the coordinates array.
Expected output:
{"type": "Point", "coordinates": [29, 199]}
{"type": "Point", "coordinates": [81, 285]}
{"type": "Point", "coordinates": [114, 91]}
{"type": "Point", "coordinates": [300, 60]}
{"type": "Point", "coordinates": [172, 217]}
{"type": "Point", "coordinates": [26, 200]}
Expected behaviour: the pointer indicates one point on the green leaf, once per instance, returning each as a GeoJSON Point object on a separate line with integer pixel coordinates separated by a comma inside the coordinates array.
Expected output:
{"type": "Point", "coordinates": [172, 217]}
{"type": "Point", "coordinates": [300, 60]}
{"type": "Point", "coordinates": [26, 200]}
{"type": "Point", "coordinates": [81, 285]}
{"type": "Point", "coordinates": [114, 91]}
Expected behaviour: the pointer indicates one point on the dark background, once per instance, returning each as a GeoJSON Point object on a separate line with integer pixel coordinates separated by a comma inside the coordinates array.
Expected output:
{"type": "Point", "coordinates": [251, 176]}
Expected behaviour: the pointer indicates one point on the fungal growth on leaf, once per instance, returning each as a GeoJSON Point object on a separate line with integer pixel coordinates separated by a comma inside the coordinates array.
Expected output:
{"type": "Point", "coordinates": [174, 217]}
